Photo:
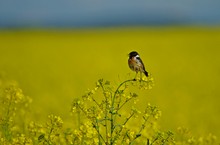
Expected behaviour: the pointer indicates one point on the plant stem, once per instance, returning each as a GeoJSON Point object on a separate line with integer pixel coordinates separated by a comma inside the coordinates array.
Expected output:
{"type": "Point", "coordinates": [106, 112]}
{"type": "Point", "coordinates": [112, 109]}
{"type": "Point", "coordinates": [6, 124]}
{"type": "Point", "coordinates": [113, 99]}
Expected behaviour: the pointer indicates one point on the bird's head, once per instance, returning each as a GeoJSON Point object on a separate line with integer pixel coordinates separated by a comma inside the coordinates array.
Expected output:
{"type": "Point", "coordinates": [132, 54]}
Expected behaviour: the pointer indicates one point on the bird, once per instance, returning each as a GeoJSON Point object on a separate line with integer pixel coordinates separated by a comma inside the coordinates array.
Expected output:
{"type": "Point", "coordinates": [136, 64]}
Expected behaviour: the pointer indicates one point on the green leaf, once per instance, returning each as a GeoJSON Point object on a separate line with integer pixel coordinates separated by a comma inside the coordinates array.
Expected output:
{"type": "Point", "coordinates": [41, 137]}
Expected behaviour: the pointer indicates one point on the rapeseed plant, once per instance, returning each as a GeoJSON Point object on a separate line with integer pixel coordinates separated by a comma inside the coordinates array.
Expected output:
{"type": "Point", "coordinates": [13, 104]}
{"type": "Point", "coordinates": [52, 131]}
{"type": "Point", "coordinates": [185, 137]}
{"type": "Point", "coordinates": [110, 120]}
{"type": "Point", "coordinates": [106, 115]}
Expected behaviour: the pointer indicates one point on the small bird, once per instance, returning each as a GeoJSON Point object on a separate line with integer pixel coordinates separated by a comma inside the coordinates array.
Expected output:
{"type": "Point", "coordinates": [135, 63]}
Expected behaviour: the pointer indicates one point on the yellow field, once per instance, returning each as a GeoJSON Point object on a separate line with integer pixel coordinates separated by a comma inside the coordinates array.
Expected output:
{"type": "Point", "coordinates": [55, 66]}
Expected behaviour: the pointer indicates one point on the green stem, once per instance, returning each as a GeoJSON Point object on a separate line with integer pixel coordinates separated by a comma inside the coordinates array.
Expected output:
{"type": "Point", "coordinates": [99, 134]}
{"type": "Point", "coordinates": [95, 102]}
{"type": "Point", "coordinates": [6, 124]}
{"type": "Point", "coordinates": [112, 109]}
{"type": "Point", "coordinates": [124, 103]}
{"type": "Point", "coordinates": [113, 100]}
{"type": "Point", "coordinates": [127, 119]}
{"type": "Point", "coordinates": [106, 112]}
{"type": "Point", "coordinates": [94, 125]}
{"type": "Point", "coordinates": [51, 130]}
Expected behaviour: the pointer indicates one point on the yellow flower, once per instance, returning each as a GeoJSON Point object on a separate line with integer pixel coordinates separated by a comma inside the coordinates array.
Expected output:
{"type": "Point", "coordinates": [127, 141]}
{"type": "Point", "coordinates": [131, 134]}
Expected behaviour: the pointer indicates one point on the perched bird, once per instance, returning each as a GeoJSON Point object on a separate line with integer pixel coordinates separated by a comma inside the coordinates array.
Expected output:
{"type": "Point", "coordinates": [135, 63]}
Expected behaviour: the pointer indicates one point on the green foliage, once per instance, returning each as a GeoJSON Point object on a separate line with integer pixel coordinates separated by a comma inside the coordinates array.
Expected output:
{"type": "Point", "coordinates": [184, 137]}
{"type": "Point", "coordinates": [106, 115]}
{"type": "Point", "coordinates": [14, 104]}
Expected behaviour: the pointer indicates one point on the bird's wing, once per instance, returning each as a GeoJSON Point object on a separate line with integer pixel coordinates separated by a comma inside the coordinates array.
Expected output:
{"type": "Point", "coordinates": [139, 59]}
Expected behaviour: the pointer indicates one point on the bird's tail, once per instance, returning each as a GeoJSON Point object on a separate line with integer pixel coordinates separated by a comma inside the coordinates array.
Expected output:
{"type": "Point", "coordinates": [146, 73]}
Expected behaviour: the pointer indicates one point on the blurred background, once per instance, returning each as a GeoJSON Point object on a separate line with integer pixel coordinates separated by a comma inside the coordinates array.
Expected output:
{"type": "Point", "coordinates": [75, 13]}
{"type": "Point", "coordinates": [56, 50]}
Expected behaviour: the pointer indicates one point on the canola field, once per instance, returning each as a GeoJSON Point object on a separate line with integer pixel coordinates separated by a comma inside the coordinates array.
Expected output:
{"type": "Point", "coordinates": [50, 68]}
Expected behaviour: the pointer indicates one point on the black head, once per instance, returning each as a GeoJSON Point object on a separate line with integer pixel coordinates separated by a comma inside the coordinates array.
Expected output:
{"type": "Point", "coordinates": [132, 54]}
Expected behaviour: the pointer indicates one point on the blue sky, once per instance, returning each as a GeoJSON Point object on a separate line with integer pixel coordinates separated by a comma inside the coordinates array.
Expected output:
{"type": "Point", "coordinates": [79, 13]}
